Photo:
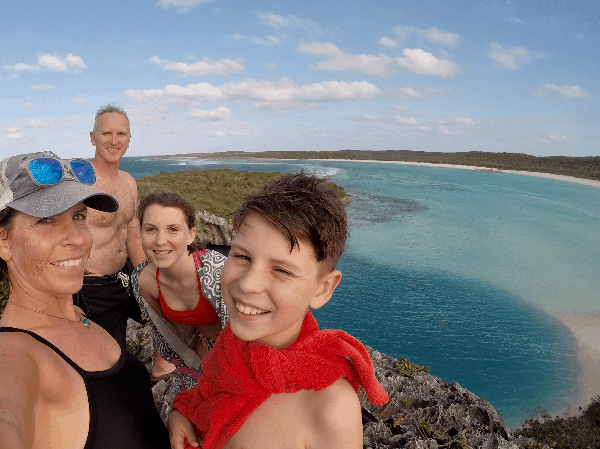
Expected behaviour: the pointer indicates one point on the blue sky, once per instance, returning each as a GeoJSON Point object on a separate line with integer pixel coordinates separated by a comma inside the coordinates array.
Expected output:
{"type": "Point", "coordinates": [225, 75]}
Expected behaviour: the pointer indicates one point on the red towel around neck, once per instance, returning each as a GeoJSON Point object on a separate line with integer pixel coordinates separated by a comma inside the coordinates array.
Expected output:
{"type": "Point", "coordinates": [240, 375]}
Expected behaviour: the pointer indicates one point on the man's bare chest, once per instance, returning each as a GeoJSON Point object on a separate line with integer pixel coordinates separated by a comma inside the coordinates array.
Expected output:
{"type": "Point", "coordinates": [127, 201]}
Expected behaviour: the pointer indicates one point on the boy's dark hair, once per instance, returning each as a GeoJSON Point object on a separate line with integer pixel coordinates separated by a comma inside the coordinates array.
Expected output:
{"type": "Point", "coordinates": [170, 199]}
{"type": "Point", "coordinates": [303, 207]}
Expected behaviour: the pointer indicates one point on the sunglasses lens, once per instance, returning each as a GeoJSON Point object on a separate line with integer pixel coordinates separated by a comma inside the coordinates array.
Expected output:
{"type": "Point", "coordinates": [45, 171]}
{"type": "Point", "coordinates": [84, 171]}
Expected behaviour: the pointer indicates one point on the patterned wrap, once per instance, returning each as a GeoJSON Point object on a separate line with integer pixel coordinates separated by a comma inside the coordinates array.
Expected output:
{"type": "Point", "coordinates": [174, 341]}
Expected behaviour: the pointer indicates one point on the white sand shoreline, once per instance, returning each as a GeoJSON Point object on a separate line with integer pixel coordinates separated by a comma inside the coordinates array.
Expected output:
{"type": "Point", "coordinates": [587, 182]}
{"type": "Point", "coordinates": [585, 328]}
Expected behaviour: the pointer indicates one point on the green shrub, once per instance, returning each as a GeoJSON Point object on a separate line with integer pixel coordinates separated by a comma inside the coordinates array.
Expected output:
{"type": "Point", "coordinates": [407, 368]}
{"type": "Point", "coordinates": [581, 432]}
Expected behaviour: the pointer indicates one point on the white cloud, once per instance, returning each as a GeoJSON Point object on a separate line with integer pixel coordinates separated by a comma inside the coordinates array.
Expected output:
{"type": "Point", "coordinates": [69, 63]}
{"type": "Point", "coordinates": [28, 104]}
{"type": "Point", "coordinates": [567, 92]}
{"type": "Point", "coordinates": [267, 95]}
{"type": "Point", "coordinates": [199, 68]}
{"type": "Point", "coordinates": [192, 93]}
{"type": "Point", "coordinates": [50, 62]}
{"type": "Point", "coordinates": [237, 37]}
{"type": "Point", "coordinates": [465, 120]}
{"type": "Point", "coordinates": [182, 6]}
{"type": "Point", "coordinates": [517, 21]}
{"type": "Point", "coordinates": [20, 67]}
{"type": "Point", "coordinates": [269, 41]}
{"type": "Point", "coordinates": [430, 34]}
{"type": "Point", "coordinates": [406, 120]}
{"type": "Point", "coordinates": [289, 21]}
{"type": "Point", "coordinates": [422, 62]}
{"type": "Point", "coordinates": [41, 87]}
{"type": "Point", "coordinates": [510, 58]}
{"type": "Point", "coordinates": [219, 114]}
{"type": "Point", "coordinates": [36, 124]}
{"type": "Point", "coordinates": [411, 61]}
{"type": "Point", "coordinates": [388, 42]}
{"type": "Point", "coordinates": [79, 101]}
{"type": "Point", "coordinates": [408, 93]}
{"type": "Point", "coordinates": [12, 133]}
{"type": "Point", "coordinates": [443, 129]}
{"type": "Point", "coordinates": [220, 134]}
{"type": "Point", "coordinates": [560, 137]}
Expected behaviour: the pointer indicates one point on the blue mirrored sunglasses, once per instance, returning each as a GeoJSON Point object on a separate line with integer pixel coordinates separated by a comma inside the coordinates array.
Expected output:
{"type": "Point", "coordinates": [47, 171]}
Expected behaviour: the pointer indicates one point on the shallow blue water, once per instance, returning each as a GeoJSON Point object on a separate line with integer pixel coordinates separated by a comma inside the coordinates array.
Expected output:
{"type": "Point", "coordinates": [460, 270]}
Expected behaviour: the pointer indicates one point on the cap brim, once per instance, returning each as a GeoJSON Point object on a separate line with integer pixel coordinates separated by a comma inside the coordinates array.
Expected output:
{"type": "Point", "coordinates": [56, 199]}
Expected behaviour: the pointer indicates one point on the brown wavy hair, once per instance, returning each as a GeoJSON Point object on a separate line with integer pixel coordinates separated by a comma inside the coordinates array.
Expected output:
{"type": "Point", "coordinates": [303, 207]}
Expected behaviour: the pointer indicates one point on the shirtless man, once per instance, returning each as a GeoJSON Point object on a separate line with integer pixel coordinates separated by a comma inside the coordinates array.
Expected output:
{"type": "Point", "coordinates": [106, 294]}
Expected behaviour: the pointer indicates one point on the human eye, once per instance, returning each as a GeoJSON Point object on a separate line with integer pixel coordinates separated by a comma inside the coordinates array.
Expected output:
{"type": "Point", "coordinates": [239, 256]}
{"type": "Point", "coordinates": [80, 216]}
{"type": "Point", "coordinates": [173, 229]}
{"type": "Point", "coordinates": [282, 272]}
{"type": "Point", "coordinates": [149, 229]}
{"type": "Point", "coordinates": [44, 220]}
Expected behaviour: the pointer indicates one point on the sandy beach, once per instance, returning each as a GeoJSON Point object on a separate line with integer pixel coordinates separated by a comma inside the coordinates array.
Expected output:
{"type": "Point", "coordinates": [587, 182]}
{"type": "Point", "coordinates": [585, 328]}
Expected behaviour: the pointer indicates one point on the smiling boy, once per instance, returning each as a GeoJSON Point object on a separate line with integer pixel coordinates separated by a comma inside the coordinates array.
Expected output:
{"type": "Point", "coordinates": [273, 379]}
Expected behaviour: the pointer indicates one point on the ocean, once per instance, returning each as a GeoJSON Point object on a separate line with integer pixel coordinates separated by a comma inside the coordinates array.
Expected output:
{"type": "Point", "coordinates": [459, 270]}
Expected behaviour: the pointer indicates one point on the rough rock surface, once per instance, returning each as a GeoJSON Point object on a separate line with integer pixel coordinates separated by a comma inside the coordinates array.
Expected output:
{"type": "Point", "coordinates": [424, 412]}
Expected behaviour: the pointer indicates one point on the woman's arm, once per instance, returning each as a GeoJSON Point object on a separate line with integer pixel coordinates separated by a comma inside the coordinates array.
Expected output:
{"type": "Point", "coordinates": [19, 387]}
{"type": "Point", "coordinates": [148, 288]}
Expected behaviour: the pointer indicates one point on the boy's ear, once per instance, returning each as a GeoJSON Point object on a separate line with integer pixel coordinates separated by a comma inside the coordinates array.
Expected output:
{"type": "Point", "coordinates": [327, 286]}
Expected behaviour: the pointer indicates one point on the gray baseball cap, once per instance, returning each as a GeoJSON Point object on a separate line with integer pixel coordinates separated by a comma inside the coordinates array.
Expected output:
{"type": "Point", "coordinates": [20, 192]}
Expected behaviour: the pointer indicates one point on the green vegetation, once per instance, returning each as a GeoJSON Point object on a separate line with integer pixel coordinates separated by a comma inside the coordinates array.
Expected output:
{"type": "Point", "coordinates": [407, 368]}
{"type": "Point", "coordinates": [580, 167]}
{"type": "Point", "coordinates": [220, 192]}
{"type": "Point", "coordinates": [582, 432]}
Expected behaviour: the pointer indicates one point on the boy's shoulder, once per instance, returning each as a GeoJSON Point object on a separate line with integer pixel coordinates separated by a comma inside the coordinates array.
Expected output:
{"type": "Point", "coordinates": [328, 418]}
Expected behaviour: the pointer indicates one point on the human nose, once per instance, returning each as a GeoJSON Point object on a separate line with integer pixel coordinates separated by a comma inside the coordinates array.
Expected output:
{"type": "Point", "coordinates": [113, 138]}
{"type": "Point", "coordinates": [161, 237]}
{"type": "Point", "coordinates": [252, 279]}
{"type": "Point", "coordinates": [75, 234]}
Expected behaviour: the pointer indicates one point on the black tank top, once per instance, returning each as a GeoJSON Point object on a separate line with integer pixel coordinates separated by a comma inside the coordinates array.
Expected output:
{"type": "Point", "coordinates": [122, 411]}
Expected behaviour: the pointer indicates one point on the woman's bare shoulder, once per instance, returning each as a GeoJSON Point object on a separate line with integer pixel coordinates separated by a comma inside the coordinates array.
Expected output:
{"type": "Point", "coordinates": [147, 281]}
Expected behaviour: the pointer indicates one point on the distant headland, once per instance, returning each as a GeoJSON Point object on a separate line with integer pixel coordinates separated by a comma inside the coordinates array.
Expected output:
{"type": "Point", "coordinates": [587, 168]}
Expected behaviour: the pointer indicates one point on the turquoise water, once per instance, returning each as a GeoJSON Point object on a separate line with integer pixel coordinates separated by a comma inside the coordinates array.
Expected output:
{"type": "Point", "coordinates": [460, 270]}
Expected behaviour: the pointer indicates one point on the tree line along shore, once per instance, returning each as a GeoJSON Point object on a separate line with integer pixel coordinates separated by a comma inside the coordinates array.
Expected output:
{"type": "Point", "coordinates": [587, 167]}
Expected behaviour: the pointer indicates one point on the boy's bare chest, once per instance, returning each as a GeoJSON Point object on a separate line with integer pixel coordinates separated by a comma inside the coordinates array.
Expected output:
{"type": "Point", "coordinates": [287, 426]}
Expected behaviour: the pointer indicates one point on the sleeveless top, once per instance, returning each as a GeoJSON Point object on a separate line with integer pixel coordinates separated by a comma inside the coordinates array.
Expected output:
{"type": "Point", "coordinates": [202, 314]}
{"type": "Point", "coordinates": [122, 410]}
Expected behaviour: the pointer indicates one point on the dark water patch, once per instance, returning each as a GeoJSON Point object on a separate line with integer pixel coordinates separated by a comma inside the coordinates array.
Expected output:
{"type": "Point", "coordinates": [491, 342]}
{"type": "Point", "coordinates": [367, 208]}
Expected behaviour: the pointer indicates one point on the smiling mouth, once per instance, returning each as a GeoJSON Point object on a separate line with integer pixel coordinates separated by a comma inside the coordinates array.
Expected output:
{"type": "Point", "coordinates": [69, 263]}
{"type": "Point", "coordinates": [161, 252]}
{"type": "Point", "coordinates": [247, 310]}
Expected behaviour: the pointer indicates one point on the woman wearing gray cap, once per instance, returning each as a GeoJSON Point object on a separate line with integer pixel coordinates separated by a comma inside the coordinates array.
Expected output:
{"type": "Point", "coordinates": [64, 381]}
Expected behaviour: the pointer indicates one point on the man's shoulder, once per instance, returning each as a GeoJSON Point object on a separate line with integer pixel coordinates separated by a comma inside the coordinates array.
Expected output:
{"type": "Point", "coordinates": [128, 180]}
